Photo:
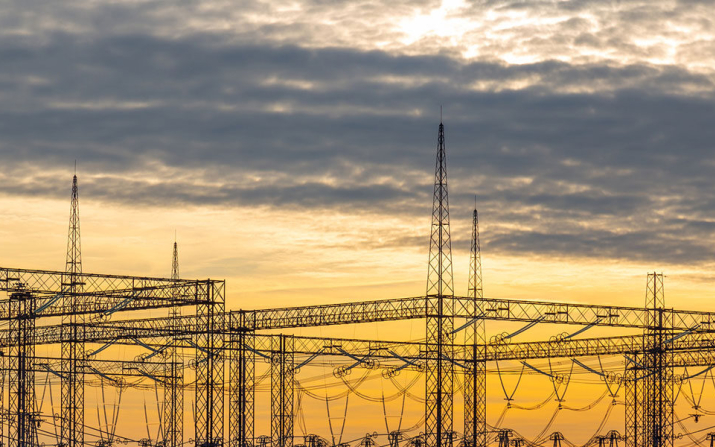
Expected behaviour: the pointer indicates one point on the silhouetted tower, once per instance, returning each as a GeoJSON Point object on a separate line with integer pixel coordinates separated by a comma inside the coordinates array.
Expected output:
{"type": "Point", "coordinates": [72, 422]}
{"type": "Point", "coordinates": [649, 378]}
{"type": "Point", "coordinates": [475, 260]}
{"type": "Point", "coordinates": [475, 379]}
{"type": "Point", "coordinates": [439, 368]}
{"type": "Point", "coordinates": [556, 437]}
{"type": "Point", "coordinates": [175, 261]}
{"type": "Point", "coordinates": [173, 410]}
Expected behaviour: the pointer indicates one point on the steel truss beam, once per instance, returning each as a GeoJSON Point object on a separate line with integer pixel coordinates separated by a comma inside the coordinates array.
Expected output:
{"type": "Point", "coordinates": [463, 307]}
{"type": "Point", "coordinates": [100, 294]}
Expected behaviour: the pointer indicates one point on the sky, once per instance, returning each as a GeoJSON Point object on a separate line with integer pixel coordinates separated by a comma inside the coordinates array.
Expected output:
{"type": "Point", "coordinates": [289, 145]}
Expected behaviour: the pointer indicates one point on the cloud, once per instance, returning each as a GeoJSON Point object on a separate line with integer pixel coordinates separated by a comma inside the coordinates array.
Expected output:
{"type": "Point", "coordinates": [578, 154]}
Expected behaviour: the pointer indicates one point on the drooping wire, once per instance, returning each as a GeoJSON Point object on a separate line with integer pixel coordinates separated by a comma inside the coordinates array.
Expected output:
{"type": "Point", "coordinates": [99, 424]}
{"type": "Point", "coordinates": [384, 413]}
{"type": "Point", "coordinates": [587, 407]}
{"type": "Point", "coordinates": [554, 380]}
{"type": "Point", "coordinates": [510, 397]}
{"type": "Point", "coordinates": [104, 409]}
{"type": "Point", "coordinates": [52, 409]}
{"type": "Point", "coordinates": [534, 407]}
{"type": "Point", "coordinates": [345, 418]}
{"type": "Point", "coordinates": [605, 379]}
{"type": "Point", "coordinates": [146, 420]}
{"type": "Point", "coordinates": [330, 419]}
{"type": "Point", "coordinates": [406, 390]}
{"type": "Point", "coordinates": [402, 411]}
{"type": "Point", "coordinates": [159, 433]}
{"type": "Point", "coordinates": [538, 439]}
{"type": "Point", "coordinates": [115, 415]}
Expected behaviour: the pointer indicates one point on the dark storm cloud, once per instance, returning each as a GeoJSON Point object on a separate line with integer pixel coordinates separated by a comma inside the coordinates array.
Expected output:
{"type": "Point", "coordinates": [589, 159]}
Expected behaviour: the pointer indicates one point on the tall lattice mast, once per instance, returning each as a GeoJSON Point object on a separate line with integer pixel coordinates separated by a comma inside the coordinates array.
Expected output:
{"type": "Point", "coordinates": [72, 422]}
{"type": "Point", "coordinates": [175, 261]}
{"type": "Point", "coordinates": [439, 276]}
{"type": "Point", "coordinates": [439, 370]}
{"type": "Point", "coordinates": [173, 409]}
{"type": "Point", "coordinates": [475, 260]}
{"type": "Point", "coordinates": [73, 264]}
{"type": "Point", "coordinates": [475, 379]}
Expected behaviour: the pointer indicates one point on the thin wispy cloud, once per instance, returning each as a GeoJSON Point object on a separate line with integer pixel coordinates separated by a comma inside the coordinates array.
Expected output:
{"type": "Point", "coordinates": [584, 128]}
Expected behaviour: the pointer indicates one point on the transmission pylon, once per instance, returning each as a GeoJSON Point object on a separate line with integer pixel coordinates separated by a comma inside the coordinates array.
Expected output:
{"type": "Point", "coordinates": [23, 417]}
{"type": "Point", "coordinates": [475, 378]}
{"type": "Point", "coordinates": [439, 329]}
{"type": "Point", "coordinates": [173, 408]}
{"type": "Point", "coordinates": [72, 423]}
{"type": "Point", "coordinates": [658, 382]}
{"type": "Point", "coordinates": [649, 378]}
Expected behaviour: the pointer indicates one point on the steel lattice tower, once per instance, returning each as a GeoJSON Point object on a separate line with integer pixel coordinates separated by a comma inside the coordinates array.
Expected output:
{"type": "Point", "coordinates": [72, 423]}
{"type": "Point", "coordinates": [22, 408]}
{"type": "Point", "coordinates": [649, 378]}
{"type": "Point", "coordinates": [658, 378]}
{"type": "Point", "coordinates": [439, 368]}
{"type": "Point", "coordinates": [173, 409]}
{"type": "Point", "coordinates": [282, 388]}
{"type": "Point", "coordinates": [475, 379]}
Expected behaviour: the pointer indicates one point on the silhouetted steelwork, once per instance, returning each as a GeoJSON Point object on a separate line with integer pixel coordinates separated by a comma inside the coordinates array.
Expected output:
{"type": "Point", "coordinates": [282, 385]}
{"type": "Point", "coordinates": [72, 420]}
{"type": "Point", "coordinates": [87, 305]}
{"type": "Point", "coordinates": [22, 413]}
{"type": "Point", "coordinates": [475, 377]}
{"type": "Point", "coordinates": [173, 405]}
{"type": "Point", "coordinates": [439, 372]}
{"type": "Point", "coordinates": [649, 392]}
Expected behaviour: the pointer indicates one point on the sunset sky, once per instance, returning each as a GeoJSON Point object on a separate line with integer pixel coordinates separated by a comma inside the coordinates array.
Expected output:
{"type": "Point", "coordinates": [290, 145]}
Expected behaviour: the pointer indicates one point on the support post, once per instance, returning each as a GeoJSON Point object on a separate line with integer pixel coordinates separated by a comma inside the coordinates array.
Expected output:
{"type": "Point", "coordinates": [22, 428]}
{"type": "Point", "coordinates": [439, 369]}
{"type": "Point", "coordinates": [241, 389]}
{"type": "Point", "coordinates": [173, 408]}
{"type": "Point", "coordinates": [633, 405]}
{"type": "Point", "coordinates": [282, 384]}
{"type": "Point", "coordinates": [209, 368]}
{"type": "Point", "coordinates": [475, 376]}
{"type": "Point", "coordinates": [73, 355]}
{"type": "Point", "coordinates": [658, 369]}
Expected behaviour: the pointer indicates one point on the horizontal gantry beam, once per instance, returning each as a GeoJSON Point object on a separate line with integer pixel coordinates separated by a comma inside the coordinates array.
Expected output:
{"type": "Point", "coordinates": [688, 348]}
{"type": "Point", "coordinates": [108, 294]}
{"type": "Point", "coordinates": [465, 307]}
{"type": "Point", "coordinates": [60, 294]}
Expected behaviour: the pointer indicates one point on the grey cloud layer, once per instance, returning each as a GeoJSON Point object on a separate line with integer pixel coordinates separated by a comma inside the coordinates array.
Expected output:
{"type": "Point", "coordinates": [624, 31]}
{"type": "Point", "coordinates": [566, 159]}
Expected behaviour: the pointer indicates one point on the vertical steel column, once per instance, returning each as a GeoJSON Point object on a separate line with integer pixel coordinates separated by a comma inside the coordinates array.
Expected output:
{"type": "Point", "coordinates": [282, 384]}
{"type": "Point", "coordinates": [173, 408]}
{"type": "Point", "coordinates": [475, 376]}
{"type": "Point", "coordinates": [209, 366]}
{"type": "Point", "coordinates": [633, 405]}
{"type": "Point", "coordinates": [72, 370]}
{"type": "Point", "coordinates": [241, 389]}
{"type": "Point", "coordinates": [22, 428]}
{"type": "Point", "coordinates": [658, 369]}
{"type": "Point", "coordinates": [439, 369]}
{"type": "Point", "coordinates": [3, 411]}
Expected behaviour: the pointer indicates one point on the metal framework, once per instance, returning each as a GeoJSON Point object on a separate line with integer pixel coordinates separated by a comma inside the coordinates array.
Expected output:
{"type": "Point", "coordinates": [439, 392]}
{"type": "Point", "coordinates": [282, 387]}
{"type": "Point", "coordinates": [72, 309]}
{"type": "Point", "coordinates": [72, 419]}
{"type": "Point", "coordinates": [475, 377]}
{"type": "Point", "coordinates": [173, 405]}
